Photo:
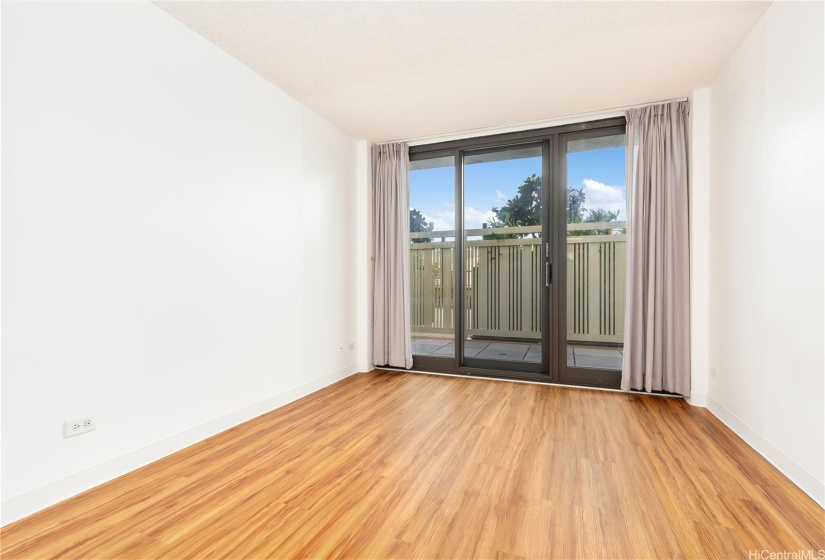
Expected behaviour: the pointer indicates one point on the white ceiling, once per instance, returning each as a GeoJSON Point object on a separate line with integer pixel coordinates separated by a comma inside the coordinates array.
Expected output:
{"type": "Point", "coordinates": [396, 70]}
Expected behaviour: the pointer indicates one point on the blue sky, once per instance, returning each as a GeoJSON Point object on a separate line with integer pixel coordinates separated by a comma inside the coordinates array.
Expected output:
{"type": "Point", "coordinates": [600, 172]}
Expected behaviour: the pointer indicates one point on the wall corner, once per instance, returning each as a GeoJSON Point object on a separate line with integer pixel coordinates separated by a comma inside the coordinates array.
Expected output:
{"type": "Point", "coordinates": [700, 244]}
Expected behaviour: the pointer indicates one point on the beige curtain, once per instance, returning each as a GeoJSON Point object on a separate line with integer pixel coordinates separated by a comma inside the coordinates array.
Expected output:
{"type": "Point", "coordinates": [657, 318]}
{"type": "Point", "coordinates": [391, 217]}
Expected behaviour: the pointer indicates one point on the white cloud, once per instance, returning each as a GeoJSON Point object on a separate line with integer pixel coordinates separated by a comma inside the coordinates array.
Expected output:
{"type": "Point", "coordinates": [445, 220]}
{"type": "Point", "coordinates": [500, 195]}
{"type": "Point", "coordinates": [440, 223]}
{"type": "Point", "coordinates": [474, 218]}
{"type": "Point", "coordinates": [599, 195]}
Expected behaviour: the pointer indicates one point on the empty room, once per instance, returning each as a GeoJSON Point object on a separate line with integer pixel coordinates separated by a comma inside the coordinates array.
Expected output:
{"type": "Point", "coordinates": [415, 280]}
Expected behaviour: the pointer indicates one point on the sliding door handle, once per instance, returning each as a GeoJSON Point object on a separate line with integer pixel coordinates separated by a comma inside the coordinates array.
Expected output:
{"type": "Point", "coordinates": [548, 273]}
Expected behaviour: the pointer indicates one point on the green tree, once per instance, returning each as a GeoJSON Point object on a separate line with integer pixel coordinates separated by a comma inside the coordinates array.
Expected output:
{"type": "Point", "coordinates": [496, 223]}
{"type": "Point", "coordinates": [418, 224]}
{"type": "Point", "coordinates": [602, 215]}
{"type": "Point", "coordinates": [599, 215]}
{"type": "Point", "coordinates": [575, 205]}
{"type": "Point", "coordinates": [524, 209]}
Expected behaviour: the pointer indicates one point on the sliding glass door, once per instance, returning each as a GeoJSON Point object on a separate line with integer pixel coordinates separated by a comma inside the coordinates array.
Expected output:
{"type": "Point", "coordinates": [593, 172]}
{"type": "Point", "coordinates": [432, 258]}
{"type": "Point", "coordinates": [504, 262]}
{"type": "Point", "coordinates": [517, 255]}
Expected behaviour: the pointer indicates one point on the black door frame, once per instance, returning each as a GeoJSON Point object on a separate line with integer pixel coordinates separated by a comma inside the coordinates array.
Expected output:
{"type": "Point", "coordinates": [554, 368]}
{"type": "Point", "coordinates": [495, 365]}
{"type": "Point", "coordinates": [571, 375]}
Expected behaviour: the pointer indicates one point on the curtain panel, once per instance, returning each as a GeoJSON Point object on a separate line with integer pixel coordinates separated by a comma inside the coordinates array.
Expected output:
{"type": "Point", "coordinates": [657, 320]}
{"type": "Point", "coordinates": [391, 304]}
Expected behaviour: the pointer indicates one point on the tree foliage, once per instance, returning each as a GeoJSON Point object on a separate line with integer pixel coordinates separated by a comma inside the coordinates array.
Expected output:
{"type": "Point", "coordinates": [576, 209]}
{"type": "Point", "coordinates": [419, 223]}
{"type": "Point", "coordinates": [596, 216]}
{"type": "Point", "coordinates": [575, 205]}
{"type": "Point", "coordinates": [524, 209]}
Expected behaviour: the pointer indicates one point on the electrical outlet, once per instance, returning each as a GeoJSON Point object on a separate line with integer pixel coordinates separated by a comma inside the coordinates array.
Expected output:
{"type": "Point", "coordinates": [352, 346]}
{"type": "Point", "coordinates": [341, 347]}
{"type": "Point", "coordinates": [79, 426]}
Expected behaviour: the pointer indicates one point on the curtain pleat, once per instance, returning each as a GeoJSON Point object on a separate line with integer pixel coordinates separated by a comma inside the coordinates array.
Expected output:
{"type": "Point", "coordinates": [657, 319]}
{"type": "Point", "coordinates": [391, 303]}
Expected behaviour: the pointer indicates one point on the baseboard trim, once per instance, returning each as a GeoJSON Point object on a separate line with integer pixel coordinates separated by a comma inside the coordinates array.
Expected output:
{"type": "Point", "coordinates": [697, 399]}
{"type": "Point", "coordinates": [797, 474]}
{"type": "Point", "coordinates": [365, 367]}
{"type": "Point", "coordinates": [20, 506]}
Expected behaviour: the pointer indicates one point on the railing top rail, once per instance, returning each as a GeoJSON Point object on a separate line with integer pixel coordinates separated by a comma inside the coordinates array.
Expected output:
{"type": "Point", "coordinates": [513, 230]}
{"type": "Point", "coordinates": [596, 225]}
{"type": "Point", "coordinates": [524, 241]}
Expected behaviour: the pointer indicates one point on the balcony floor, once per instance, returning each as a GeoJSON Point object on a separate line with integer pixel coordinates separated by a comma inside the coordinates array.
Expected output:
{"type": "Point", "coordinates": [578, 355]}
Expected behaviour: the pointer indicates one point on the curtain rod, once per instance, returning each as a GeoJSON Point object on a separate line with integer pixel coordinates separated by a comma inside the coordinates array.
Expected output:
{"type": "Point", "coordinates": [527, 125]}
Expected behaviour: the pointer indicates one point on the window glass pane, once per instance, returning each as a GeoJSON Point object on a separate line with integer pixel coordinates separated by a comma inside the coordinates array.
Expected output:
{"type": "Point", "coordinates": [432, 245]}
{"type": "Point", "coordinates": [503, 257]}
{"type": "Point", "coordinates": [596, 245]}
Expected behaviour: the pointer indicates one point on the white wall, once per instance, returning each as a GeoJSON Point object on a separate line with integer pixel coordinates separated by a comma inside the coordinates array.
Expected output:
{"type": "Point", "coordinates": [699, 246]}
{"type": "Point", "coordinates": [364, 258]}
{"type": "Point", "coordinates": [178, 239]}
{"type": "Point", "coordinates": [766, 243]}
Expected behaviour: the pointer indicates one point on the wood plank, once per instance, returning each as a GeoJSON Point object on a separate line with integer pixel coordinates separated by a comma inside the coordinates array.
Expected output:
{"type": "Point", "coordinates": [396, 465]}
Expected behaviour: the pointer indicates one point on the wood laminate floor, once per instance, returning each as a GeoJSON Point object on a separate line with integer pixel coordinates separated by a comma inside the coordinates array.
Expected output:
{"type": "Point", "coordinates": [397, 465]}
